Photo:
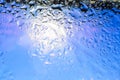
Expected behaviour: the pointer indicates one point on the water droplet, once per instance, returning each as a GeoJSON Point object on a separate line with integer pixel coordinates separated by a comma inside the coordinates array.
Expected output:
{"type": "Point", "coordinates": [20, 23]}
{"type": "Point", "coordinates": [47, 62]}
{"type": "Point", "coordinates": [100, 23]}
{"type": "Point", "coordinates": [13, 12]}
{"type": "Point", "coordinates": [57, 6]}
{"type": "Point", "coordinates": [18, 1]}
{"type": "Point", "coordinates": [32, 2]}
{"type": "Point", "coordinates": [24, 7]}
{"type": "Point", "coordinates": [84, 7]}
{"type": "Point", "coordinates": [13, 3]}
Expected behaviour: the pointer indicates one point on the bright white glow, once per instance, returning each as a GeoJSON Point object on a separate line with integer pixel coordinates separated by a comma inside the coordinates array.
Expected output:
{"type": "Point", "coordinates": [47, 36]}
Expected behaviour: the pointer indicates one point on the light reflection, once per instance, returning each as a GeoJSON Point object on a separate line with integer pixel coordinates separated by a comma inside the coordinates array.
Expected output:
{"type": "Point", "coordinates": [48, 38]}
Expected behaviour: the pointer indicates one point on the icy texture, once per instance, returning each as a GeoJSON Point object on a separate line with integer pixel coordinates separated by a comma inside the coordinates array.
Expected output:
{"type": "Point", "coordinates": [59, 43]}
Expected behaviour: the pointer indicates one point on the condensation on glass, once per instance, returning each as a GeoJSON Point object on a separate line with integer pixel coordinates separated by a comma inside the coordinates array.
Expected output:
{"type": "Point", "coordinates": [59, 40]}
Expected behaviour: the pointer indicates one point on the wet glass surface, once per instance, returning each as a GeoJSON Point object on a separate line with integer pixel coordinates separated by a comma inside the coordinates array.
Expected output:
{"type": "Point", "coordinates": [57, 42]}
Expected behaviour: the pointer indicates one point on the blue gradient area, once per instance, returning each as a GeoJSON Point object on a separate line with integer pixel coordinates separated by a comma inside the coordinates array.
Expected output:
{"type": "Point", "coordinates": [59, 45]}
